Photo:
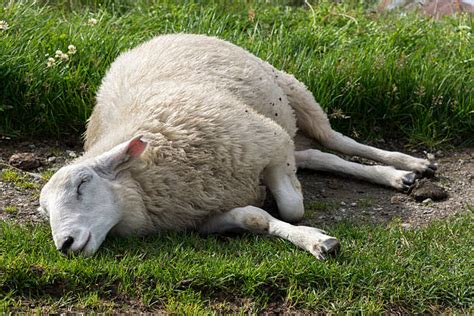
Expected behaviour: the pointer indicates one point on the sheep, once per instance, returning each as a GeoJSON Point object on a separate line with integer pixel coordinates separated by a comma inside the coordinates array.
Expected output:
{"type": "Point", "coordinates": [185, 130]}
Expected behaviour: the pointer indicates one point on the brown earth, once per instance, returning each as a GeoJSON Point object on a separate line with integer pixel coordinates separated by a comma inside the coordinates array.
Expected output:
{"type": "Point", "coordinates": [329, 198]}
{"type": "Point", "coordinates": [433, 8]}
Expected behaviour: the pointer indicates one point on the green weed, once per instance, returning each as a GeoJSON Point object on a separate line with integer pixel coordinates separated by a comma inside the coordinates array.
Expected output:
{"type": "Point", "coordinates": [365, 202]}
{"type": "Point", "coordinates": [321, 205]}
{"type": "Point", "coordinates": [22, 182]}
{"type": "Point", "coordinates": [10, 209]}
{"type": "Point", "coordinates": [46, 175]}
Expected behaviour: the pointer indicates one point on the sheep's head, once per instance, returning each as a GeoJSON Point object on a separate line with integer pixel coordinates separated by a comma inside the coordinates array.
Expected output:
{"type": "Point", "coordinates": [81, 199]}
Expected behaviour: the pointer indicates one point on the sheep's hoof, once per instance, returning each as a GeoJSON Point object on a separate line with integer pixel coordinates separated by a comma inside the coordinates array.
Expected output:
{"type": "Point", "coordinates": [408, 182]}
{"type": "Point", "coordinates": [429, 172]}
{"type": "Point", "coordinates": [409, 179]}
{"type": "Point", "coordinates": [331, 247]}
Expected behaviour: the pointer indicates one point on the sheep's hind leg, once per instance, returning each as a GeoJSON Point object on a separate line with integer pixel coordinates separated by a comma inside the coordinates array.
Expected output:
{"type": "Point", "coordinates": [312, 120]}
{"type": "Point", "coordinates": [346, 145]}
{"type": "Point", "coordinates": [280, 178]}
{"type": "Point", "coordinates": [385, 175]}
{"type": "Point", "coordinates": [256, 220]}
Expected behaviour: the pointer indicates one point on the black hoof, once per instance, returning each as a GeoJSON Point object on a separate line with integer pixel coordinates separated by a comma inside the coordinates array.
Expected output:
{"type": "Point", "coordinates": [331, 247]}
{"type": "Point", "coordinates": [409, 179]}
{"type": "Point", "coordinates": [429, 172]}
{"type": "Point", "coordinates": [406, 188]}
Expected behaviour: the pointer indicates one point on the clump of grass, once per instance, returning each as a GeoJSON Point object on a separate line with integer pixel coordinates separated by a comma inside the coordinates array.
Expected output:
{"type": "Point", "coordinates": [20, 181]}
{"type": "Point", "coordinates": [46, 175]}
{"type": "Point", "coordinates": [389, 76]}
{"type": "Point", "coordinates": [10, 175]}
{"type": "Point", "coordinates": [365, 202]}
{"type": "Point", "coordinates": [320, 206]}
{"type": "Point", "coordinates": [10, 209]}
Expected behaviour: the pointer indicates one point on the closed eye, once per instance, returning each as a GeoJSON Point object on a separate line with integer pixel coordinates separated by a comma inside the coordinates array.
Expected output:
{"type": "Point", "coordinates": [79, 193]}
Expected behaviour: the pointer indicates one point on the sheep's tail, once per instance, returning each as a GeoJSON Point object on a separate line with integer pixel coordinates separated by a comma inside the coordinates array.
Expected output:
{"type": "Point", "coordinates": [310, 117]}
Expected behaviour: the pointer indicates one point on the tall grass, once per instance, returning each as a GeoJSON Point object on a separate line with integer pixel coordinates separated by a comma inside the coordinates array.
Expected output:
{"type": "Point", "coordinates": [377, 76]}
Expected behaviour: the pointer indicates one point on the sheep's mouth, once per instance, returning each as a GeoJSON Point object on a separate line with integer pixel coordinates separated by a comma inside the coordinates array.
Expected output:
{"type": "Point", "coordinates": [86, 243]}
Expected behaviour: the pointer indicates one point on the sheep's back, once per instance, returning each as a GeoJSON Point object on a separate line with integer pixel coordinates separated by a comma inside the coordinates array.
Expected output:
{"type": "Point", "coordinates": [193, 59]}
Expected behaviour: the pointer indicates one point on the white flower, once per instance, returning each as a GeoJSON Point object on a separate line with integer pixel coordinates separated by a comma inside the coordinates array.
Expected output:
{"type": "Point", "coordinates": [337, 113]}
{"type": "Point", "coordinates": [3, 25]}
{"type": "Point", "coordinates": [460, 27]}
{"type": "Point", "coordinates": [51, 62]}
{"type": "Point", "coordinates": [71, 49]}
{"type": "Point", "coordinates": [92, 21]}
{"type": "Point", "coordinates": [64, 57]}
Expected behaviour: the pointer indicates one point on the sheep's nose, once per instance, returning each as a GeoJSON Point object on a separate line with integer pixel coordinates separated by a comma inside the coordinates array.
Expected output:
{"type": "Point", "coordinates": [66, 245]}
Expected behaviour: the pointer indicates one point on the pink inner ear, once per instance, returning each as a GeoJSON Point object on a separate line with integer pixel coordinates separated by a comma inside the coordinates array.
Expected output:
{"type": "Point", "coordinates": [136, 147]}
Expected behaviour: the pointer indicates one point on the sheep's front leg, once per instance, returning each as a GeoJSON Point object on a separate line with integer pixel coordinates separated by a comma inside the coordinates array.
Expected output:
{"type": "Point", "coordinates": [256, 220]}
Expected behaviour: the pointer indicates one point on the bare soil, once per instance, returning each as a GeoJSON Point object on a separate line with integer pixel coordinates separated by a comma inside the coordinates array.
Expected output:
{"type": "Point", "coordinates": [329, 198]}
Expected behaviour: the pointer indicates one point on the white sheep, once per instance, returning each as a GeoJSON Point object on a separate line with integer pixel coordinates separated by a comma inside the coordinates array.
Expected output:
{"type": "Point", "coordinates": [185, 129]}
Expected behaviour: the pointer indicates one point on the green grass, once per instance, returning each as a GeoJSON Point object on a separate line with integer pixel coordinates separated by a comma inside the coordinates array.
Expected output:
{"type": "Point", "coordinates": [10, 209]}
{"type": "Point", "coordinates": [380, 269]}
{"type": "Point", "coordinates": [321, 206]}
{"type": "Point", "coordinates": [19, 180]}
{"type": "Point", "coordinates": [46, 175]}
{"type": "Point", "coordinates": [388, 76]}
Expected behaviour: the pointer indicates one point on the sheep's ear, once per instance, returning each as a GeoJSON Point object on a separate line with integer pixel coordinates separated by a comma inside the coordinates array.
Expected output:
{"type": "Point", "coordinates": [116, 159]}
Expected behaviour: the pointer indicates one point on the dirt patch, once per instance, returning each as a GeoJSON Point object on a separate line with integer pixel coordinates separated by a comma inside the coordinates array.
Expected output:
{"type": "Point", "coordinates": [328, 198]}
{"type": "Point", "coordinates": [19, 189]}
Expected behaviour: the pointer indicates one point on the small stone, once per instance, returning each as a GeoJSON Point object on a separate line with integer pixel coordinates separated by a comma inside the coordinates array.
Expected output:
{"type": "Point", "coordinates": [343, 203]}
{"type": "Point", "coordinates": [24, 161]}
{"type": "Point", "coordinates": [354, 204]}
{"type": "Point", "coordinates": [426, 201]}
{"type": "Point", "coordinates": [397, 199]}
{"type": "Point", "coordinates": [428, 211]}
{"type": "Point", "coordinates": [430, 156]}
{"type": "Point", "coordinates": [406, 226]}
{"type": "Point", "coordinates": [71, 153]}
{"type": "Point", "coordinates": [334, 185]}
{"type": "Point", "coordinates": [31, 146]}
{"type": "Point", "coordinates": [51, 159]}
{"type": "Point", "coordinates": [425, 189]}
